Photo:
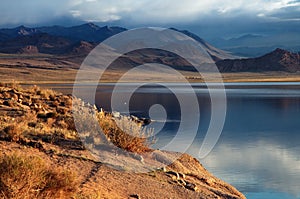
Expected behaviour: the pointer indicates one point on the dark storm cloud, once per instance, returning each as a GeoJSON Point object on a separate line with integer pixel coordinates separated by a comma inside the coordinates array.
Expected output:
{"type": "Point", "coordinates": [229, 16]}
{"type": "Point", "coordinates": [143, 11]}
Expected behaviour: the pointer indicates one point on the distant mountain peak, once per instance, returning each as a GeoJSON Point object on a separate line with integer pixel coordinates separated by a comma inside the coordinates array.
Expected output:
{"type": "Point", "coordinates": [245, 36]}
{"type": "Point", "coordinates": [91, 25]}
{"type": "Point", "coordinates": [277, 60]}
{"type": "Point", "coordinates": [21, 27]}
{"type": "Point", "coordinates": [22, 30]}
{"type": "Point", "coordinates": [280, 51]}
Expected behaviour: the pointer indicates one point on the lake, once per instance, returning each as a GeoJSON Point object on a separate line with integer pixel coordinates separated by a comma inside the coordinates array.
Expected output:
{"type": "Point", "coordinates": [258, 151]}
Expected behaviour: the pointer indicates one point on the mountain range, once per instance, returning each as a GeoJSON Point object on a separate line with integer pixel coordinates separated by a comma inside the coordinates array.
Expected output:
{"type": "Point", "coordinates": [77, 39]}
{"type": "Point", "coordinates": [54, 39]}
{"type": "Point", "coordinates": [80, 40]}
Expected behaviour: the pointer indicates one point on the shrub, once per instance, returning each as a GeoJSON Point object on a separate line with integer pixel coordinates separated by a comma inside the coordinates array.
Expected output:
{"type": "Point", "coordinates": [30, 177]}
{"type": "Point", "coordinates": [126, 134]}
{"type": "Point", "coordinates": [13, 132]}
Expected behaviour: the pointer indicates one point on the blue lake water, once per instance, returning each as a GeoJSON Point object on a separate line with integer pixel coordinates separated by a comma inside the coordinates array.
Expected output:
{"type": "Point", "coordinates": [259, 149]}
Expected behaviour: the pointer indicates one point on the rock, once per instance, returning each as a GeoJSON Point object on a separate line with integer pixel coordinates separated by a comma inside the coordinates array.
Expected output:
{"type": "Point", "coordinates": [25, 103]}
{"type": "Point", "coordinates": [191, 186]}
{"type": "Point", "coordinates": [14, 96]}
{"type": "Point", "coordinates": [182, 182]}
{"type": "Point", "coordinates": [6, 95]}
{"type": "Point", "coordinates": [116, 114]}
{"type": "Point", "coordinates": [8, 103]}
{"type": "Point", "coordinates": [136, 196]}
{"type": "Point", "coordinates": [182, 175]}
{"type": "Point", "coordinates": [51, 115]}
{"type": "Point", "coordinates": [146, 121]}
{"type": "Point", "coordinates": [209, 181]}
{"type": "Point", "coordinates": [173, 173]}
{"type": "Point", "coordinates": [141, 121]}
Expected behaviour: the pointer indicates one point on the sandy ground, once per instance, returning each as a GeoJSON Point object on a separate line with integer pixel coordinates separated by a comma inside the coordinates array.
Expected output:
{"type": "Point", "coordinates": [101, 181]}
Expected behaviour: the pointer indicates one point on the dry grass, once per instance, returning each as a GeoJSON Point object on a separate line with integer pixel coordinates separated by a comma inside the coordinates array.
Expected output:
{"type": "Point", "coordinates": [35, 113]}
{"type": "Point", "coordinates": [126, 134]}
{"type": "Point", "coordinates": [14, 85]}
{"type": "Point", "coordinates": [30, 177]}
{"type": "Point", "coordinates": [122, 132]}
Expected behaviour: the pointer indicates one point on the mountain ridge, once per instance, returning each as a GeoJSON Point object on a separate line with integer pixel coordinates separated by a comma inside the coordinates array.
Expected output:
{"type": "Point", "coordinates": [79, 41]}
{"type": "Point", "coordinates": [11, 39]}
{"type": "Point", "coordinates": [277, 60]}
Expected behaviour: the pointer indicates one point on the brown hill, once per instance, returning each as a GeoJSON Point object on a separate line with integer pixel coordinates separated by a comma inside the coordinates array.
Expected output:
{"type": "Point", "coordinates": [81, 48]}
{"type": "Point", "coordinates": [45, 43]}
{"type": "Point", "coordinates": [278, 60]}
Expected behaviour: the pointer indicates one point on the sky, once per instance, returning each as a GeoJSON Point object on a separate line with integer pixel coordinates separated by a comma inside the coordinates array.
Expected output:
{"type": "Point", "coordinates": [208, 17]}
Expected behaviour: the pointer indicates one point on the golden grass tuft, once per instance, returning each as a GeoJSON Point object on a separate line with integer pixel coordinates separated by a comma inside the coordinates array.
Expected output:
{"type": "Point", "coordinates": [126, 134]}
{"type": "Point", "coordinates": [30, 177]}
{"type": "Point", "coordinates": [13, 132]}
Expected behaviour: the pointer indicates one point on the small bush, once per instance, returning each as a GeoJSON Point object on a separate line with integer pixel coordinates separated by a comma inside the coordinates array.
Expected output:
{"type": "Point", "coordinates": [30, 177]}
{"type": "Point", "coordinates": [48, 94]}
{"type": "Point", "coordinates": [13, 132]}
{"type": "Point", "coordinates": [126, 134]}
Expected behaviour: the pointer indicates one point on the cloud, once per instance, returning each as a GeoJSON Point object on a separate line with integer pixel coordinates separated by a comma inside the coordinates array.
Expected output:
{"type": "Point", "coordinates": [238, 16]}
{"type": "Point", "coordinates": [98, 11]}
{"type": "Point", "coordinates": [30, 12]}
{"type": "Point", "coordinates": [143, 11]}
{"type": "Point", "coordinates": [174, 10]}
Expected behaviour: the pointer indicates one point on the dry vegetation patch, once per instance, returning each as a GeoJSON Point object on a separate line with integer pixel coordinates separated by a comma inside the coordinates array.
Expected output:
{"type": "Point", "coordinates": [44, 115]}
{"type": "Point", "coordinates": [30, 177]}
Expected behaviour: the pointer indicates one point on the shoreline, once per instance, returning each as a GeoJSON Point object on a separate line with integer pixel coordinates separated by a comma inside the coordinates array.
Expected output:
{"type": "Point", "coordinates": [242, 80]}
{"type": "Point", "coordinates": [46, 134]}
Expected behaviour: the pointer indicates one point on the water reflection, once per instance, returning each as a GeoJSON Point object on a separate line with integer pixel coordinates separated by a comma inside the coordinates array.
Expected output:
{"type": "Point", "coordinates": [256, 166]}
{"type": "Point", "coordinates": [258, 151]}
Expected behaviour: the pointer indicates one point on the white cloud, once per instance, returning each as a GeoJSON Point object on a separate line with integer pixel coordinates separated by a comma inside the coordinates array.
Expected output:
{"type": "Point", "coordinates": [141, 11]}
{"type": "Point", "coordinates": [75, 13]}
{"type": "Point", "coordinates": [99, 11]}
{"type": "Point", "coordinates": [175, 10]}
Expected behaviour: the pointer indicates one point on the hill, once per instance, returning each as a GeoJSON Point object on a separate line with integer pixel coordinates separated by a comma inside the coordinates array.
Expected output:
{"type": "Point", "coordinates": [277, 60]}
{"type": "Point", "coordinates": [42, 42]}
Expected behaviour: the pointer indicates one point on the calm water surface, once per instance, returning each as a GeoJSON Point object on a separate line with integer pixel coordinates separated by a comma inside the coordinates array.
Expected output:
{"type": "Point", "coordinates": [259, 148]}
